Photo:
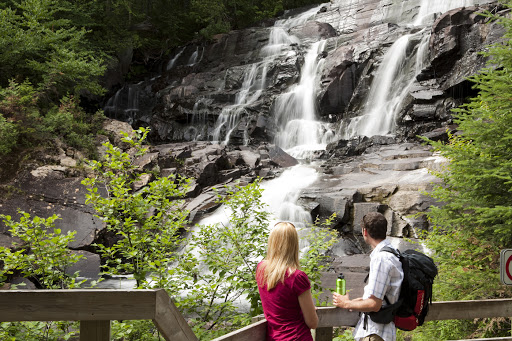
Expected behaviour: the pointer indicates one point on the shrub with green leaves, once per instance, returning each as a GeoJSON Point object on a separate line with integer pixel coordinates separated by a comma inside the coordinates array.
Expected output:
{"type": "Point", "coordinates": [313, 261]}
{"type": "Point", "coordinates": [9, 134]}
{"type": "Point", "coordinates": [42, 255]}
{"type": "Point", "coordinates": [147, 221]}
{"type": "Point", "coordinates": [217, 271]}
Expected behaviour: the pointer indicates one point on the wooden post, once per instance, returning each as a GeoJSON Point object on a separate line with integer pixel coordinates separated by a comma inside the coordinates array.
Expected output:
{"type": "Point", "coordinates": [95, 330]}
{"type": "Point", "coordinates": [323, 334]}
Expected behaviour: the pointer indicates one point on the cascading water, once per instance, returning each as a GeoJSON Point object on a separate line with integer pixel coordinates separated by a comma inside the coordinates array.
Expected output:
{"type": "Point", "coordinates": [124, 105]}
{"type": "Point", "coordinates": [228, 120]}
{"type": "Point", "coordinates": [430, 7]}
{"type": "Point", "coordinates": [295, 112]}
{"type": "Point", "coordinates": [254, 81]}
{"type": "Point", "coordinates": [396, 74]}
{"type": "Point", "coordinates": [390, 85]}
{"type": "Point", "coordinates": [172, 62]}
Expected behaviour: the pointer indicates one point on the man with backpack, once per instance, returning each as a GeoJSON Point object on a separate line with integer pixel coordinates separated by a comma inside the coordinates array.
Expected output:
{"type": "Point", "coordinates": [383, 286]}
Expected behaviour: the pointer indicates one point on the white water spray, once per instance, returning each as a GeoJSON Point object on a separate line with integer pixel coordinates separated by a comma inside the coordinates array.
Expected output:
{"type": "Point", "coordinates": [295, 112]}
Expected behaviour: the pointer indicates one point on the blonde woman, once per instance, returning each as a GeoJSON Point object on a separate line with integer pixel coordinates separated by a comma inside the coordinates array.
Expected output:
{"type": "Point", "coordinates": [285, 290]}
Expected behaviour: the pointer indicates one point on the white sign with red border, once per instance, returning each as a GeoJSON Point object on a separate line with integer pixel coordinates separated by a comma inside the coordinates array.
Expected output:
{"type": "Point", "coordinates": [506, 266]}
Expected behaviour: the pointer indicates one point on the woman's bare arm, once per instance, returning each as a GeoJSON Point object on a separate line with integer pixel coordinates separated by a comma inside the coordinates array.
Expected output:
{"type": "Point", "coordinates": [307, 305]}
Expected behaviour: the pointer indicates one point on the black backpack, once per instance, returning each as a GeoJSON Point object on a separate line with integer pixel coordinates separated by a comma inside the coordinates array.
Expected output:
{"type": "Point", "coordinates": [415, 294]}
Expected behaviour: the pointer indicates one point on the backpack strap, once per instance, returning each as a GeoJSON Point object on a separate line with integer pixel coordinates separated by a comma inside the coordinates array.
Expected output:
{"type": "Point", "coordinates": [405, 265]}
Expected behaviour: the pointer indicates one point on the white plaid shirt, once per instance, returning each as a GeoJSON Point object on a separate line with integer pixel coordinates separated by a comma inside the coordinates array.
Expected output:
{"type": "Point", "coordinates": [385, 279]}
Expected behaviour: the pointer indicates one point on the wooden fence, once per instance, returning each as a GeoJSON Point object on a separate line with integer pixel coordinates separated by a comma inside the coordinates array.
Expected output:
{"type": "Point", "coordinates": [96, 308]}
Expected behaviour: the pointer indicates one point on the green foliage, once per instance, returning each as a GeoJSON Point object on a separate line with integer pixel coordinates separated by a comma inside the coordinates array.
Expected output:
{"type": "Point", "coordinates": [135, 330]}
{"type": "Point", "coordinates": [314, 260]}
{"type": "Point", "coordinates": [211, 16]}
{"type": "Point", "coordinates": [474, 221]}
{"type": "Point", "coordinates": [38, 43]}
{"type": "Point", "coordinates": [42, 255]}
{"type": "Point", "coordinates": [40, 331]}
{"type": "Point", "coordinates": [147, 221]}
{"type": "Point", "coordinates": [343, 334]}
{"type": "Point", "coordinates": [8, 136]}
{"type": "Point", "coordinates": [72, 125]}
{"type": "Point", "coordinates": [18, 106]}
{"type": "Point", "coordinates": [219, 263]}
{"type": "Point", "coordinates": [25, 123]}
{"type": "Point", "coordinates": [218, 267]}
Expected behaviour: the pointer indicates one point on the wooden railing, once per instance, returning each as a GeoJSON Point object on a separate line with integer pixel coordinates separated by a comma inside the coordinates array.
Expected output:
{"type": "Point", "coordinates": [330, 317]}
{"type": "Point", "coordinates": [96, 308]}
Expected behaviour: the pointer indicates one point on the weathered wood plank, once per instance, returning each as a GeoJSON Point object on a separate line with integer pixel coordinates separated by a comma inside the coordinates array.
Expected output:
{"type": "Point", "coordinates": [468, 310]}
{"type": "Point", "coordinates": [77, 305]}
{"type": "Point", "coordinates": [95, 331]}
{"type": "Point", "coordinates": [253, 332]}
{"type": "Point", "coordinates": [169, 320]}
{"type": "Point", "coordinates": [323, 334]}
{"type": "Point", "coordinates": [336, 317]}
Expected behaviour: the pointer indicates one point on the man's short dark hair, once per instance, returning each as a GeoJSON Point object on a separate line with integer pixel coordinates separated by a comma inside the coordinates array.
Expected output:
{"type": "Point", "coordinates": [376, 225]}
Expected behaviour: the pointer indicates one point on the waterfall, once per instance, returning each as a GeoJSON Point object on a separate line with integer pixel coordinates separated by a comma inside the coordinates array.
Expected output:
{"type": "Point", "coordinates": [254, 81]}
{"type": "Point", "coordinates": [249, 93]}
{"type": "Point", "coordinates": [396, 74]}
{"type": "Point", "coordinates": [172, 62]}
{"type": "Point", "coordinates": [389, 87]}
{"type": "Point", "coordinates": [295, 112]}
{"type": "Point", "coordinates": [124, 105]}
{"type": "Point", "coordinates": [430, 7]}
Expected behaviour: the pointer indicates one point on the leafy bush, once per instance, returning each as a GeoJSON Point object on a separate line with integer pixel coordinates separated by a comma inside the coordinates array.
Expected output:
{"type": "Point", "coordinates": [217, 268]}
{"type": "Point", "coordinates": [147, 221]}
{"type": "Point", "coordinates": [25, 123]}
{"type": "Point", "coordinates": [8, 136]}
{"type": "Point", "coordinates": [42, 255]}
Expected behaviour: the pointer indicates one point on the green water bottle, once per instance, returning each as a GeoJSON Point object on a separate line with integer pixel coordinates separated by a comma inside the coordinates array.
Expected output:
{"type": "Point", "coordinates": [341, 285]}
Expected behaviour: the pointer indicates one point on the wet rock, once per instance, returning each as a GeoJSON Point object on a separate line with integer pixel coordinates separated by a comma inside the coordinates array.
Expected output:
{"type": "Point", "coordinates": [88, 265]}
{"type": "Point", "coordinates": [250, 158]}
{"type": "Point", "coordinates": [360, 210]}
{"type": "Point", "coordinates": [20, 283]}
{"type": "Point", "coordinates": [314, 30]}
{"type": "Point", "coordinates": [440, 134]}
{"type": "Point", "coordinates": [116, 128]}
{"type": "Point", "coordinates": [146, 161]}
{"type": "Point", "coordinates": [280, 158]}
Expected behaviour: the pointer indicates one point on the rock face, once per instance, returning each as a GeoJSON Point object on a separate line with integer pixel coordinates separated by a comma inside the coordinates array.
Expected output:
{"type": "Point", "coordinates": [191, 97]}
{"type": "Point", "coordinates": [232, 110]}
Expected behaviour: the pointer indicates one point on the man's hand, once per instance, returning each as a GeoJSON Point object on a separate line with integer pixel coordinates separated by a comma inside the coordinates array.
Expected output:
{"type": "Point", "coordinates": [340, 301]}
{"type": "Point", "coordinates": [359, 304]}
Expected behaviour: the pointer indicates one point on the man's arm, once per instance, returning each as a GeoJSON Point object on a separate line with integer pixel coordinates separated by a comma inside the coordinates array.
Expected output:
{"type": "Point", "coordinates": [364, 305]}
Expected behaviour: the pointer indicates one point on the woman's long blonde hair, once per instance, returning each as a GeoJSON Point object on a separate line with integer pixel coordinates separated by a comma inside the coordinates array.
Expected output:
{"type": "Point", "coordinates": [282, 255]}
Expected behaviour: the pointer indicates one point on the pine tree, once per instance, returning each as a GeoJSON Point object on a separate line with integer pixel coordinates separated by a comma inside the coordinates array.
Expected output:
{"type": "Point", "coordinates": [474, 219]}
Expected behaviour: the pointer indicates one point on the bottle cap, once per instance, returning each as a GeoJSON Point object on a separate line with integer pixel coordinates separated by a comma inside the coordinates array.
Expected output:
{"type": "Point", "coordinates": [340, 276]}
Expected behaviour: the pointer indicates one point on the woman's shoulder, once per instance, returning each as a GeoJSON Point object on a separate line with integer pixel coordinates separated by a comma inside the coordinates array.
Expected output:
{"type": "Point", "coordinates": [300, 281]}
{"type": "Point", "coordinates": [297, 273]}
